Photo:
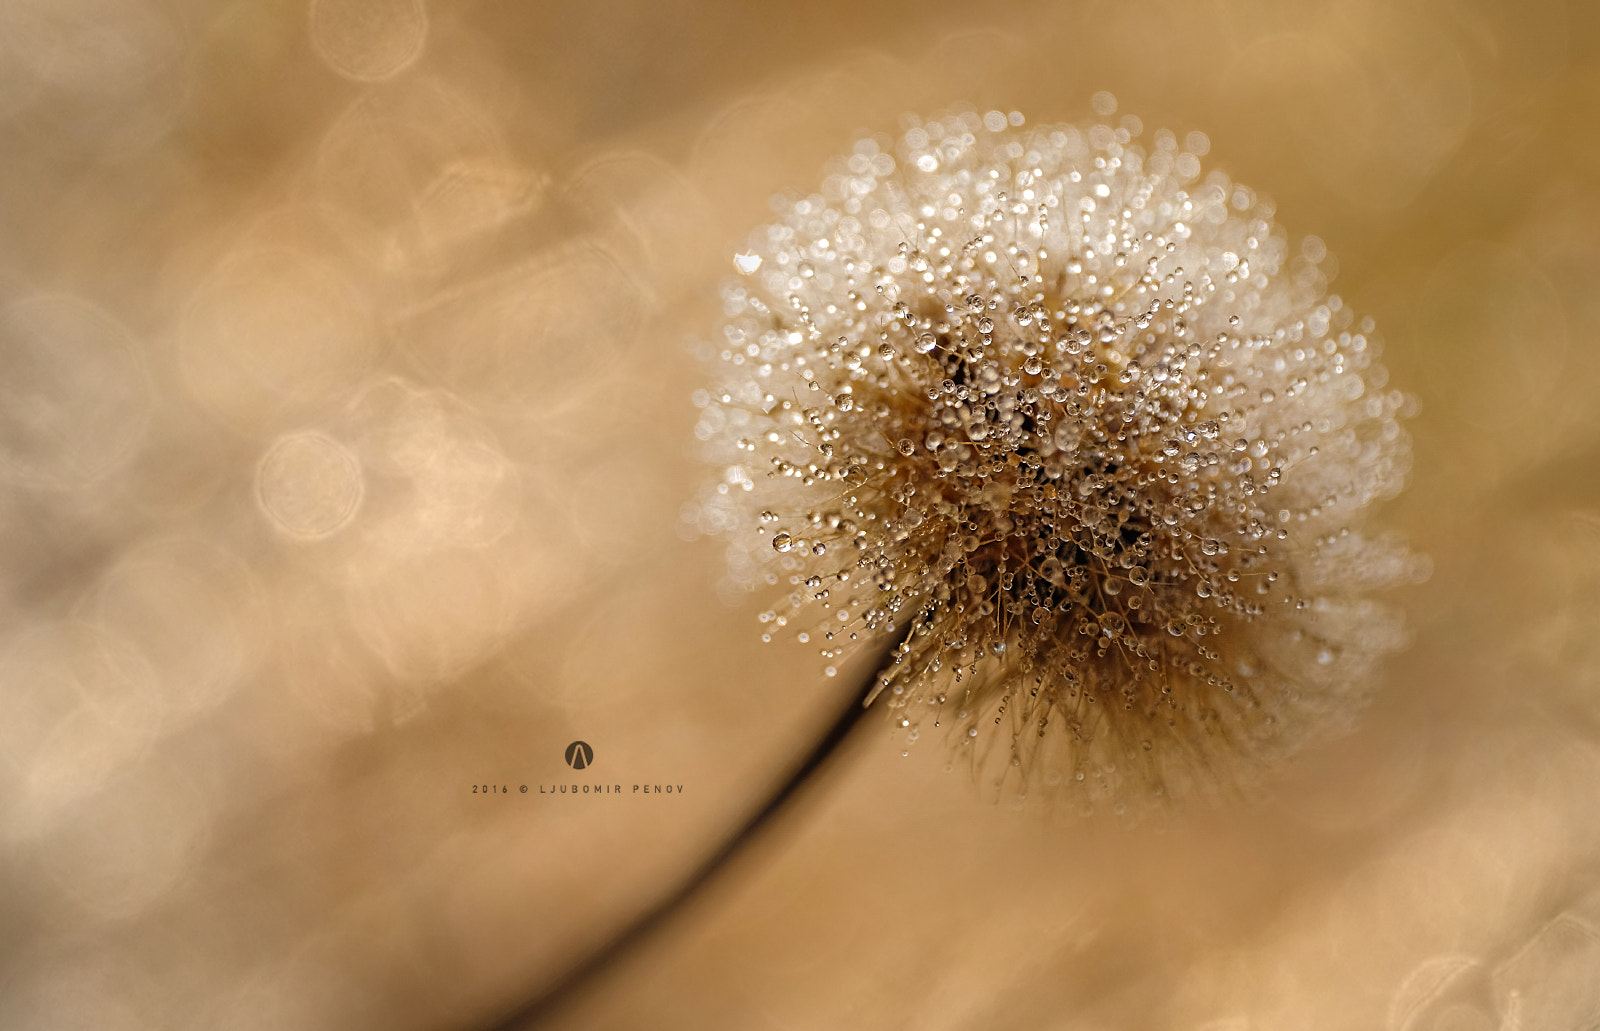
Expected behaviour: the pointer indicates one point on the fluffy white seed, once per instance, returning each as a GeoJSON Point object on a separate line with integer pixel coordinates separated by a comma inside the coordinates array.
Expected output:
{"type": "Point", "coordinates": [1071, 426]}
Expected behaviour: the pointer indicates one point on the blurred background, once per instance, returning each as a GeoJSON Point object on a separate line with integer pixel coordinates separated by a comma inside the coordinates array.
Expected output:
{"type": "Point", "coordinates": [345, 423]}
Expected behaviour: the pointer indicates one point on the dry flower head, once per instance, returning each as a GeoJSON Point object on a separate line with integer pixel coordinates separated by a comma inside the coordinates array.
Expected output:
{"type": "Point", "coordinates": [1079, 431]}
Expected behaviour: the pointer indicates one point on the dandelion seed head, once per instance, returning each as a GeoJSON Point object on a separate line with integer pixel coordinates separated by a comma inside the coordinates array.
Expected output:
{"type": "Point", "coordinates": [1077, 430]}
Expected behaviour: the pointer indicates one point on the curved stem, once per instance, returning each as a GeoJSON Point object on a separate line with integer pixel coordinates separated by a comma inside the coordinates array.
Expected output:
{"type": "Point", "coordinates": [557, 994]}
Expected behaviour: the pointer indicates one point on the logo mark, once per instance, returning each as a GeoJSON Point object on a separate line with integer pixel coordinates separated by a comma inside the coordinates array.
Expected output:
{"type": "Point", "coordinates": [579, 755]}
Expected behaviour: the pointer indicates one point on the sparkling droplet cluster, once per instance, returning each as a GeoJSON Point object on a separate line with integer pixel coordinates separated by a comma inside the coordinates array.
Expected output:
{"type": "Point", "coordinates": [1073, 428]}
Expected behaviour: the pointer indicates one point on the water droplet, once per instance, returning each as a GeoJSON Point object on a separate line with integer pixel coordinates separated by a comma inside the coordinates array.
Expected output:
{"type": "Point", "coordinates": [782, 542]}
{"type": "Point", "coordinates": [746, 263]}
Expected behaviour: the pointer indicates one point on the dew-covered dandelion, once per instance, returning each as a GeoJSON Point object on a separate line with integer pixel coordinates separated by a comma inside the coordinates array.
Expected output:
{"type": "Point", "coordinates": [1079, 433]}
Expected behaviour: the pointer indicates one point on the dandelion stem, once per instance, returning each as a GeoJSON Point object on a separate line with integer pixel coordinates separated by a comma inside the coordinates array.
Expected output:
{"type": "Point", "coordinates": [553, 997]}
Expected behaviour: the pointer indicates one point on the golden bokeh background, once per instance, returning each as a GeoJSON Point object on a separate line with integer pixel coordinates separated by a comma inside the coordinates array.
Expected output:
{"type": "Point", "coordinates": [345, 422]}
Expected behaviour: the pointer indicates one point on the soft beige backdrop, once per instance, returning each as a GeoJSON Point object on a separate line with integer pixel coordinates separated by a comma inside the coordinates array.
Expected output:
{"type": "Point", "coordinates": [344, 426]}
